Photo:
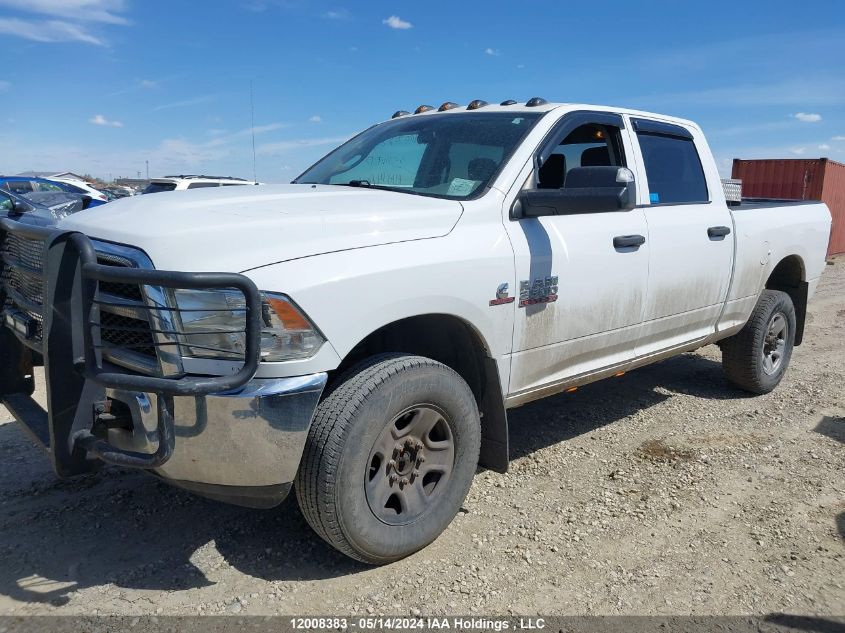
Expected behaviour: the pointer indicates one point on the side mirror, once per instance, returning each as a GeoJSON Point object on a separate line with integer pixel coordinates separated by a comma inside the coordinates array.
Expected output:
{"type": "Point", "coordinates": [14, 205]}
{"type": "Point", "coordinates": [586, 190]}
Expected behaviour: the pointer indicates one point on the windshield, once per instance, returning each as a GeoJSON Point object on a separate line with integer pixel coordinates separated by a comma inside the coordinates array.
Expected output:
{"type": "Point", "coordinates": [448, 156]}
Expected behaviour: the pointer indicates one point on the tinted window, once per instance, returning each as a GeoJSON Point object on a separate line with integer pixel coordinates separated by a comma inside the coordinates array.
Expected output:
{"type": "Point", "coordinates": [673, 169]}
{"type": "Point", "coordinates": [156, 187]}
{"type": "Point", "coordinates": [202, 185]}
{"type": "Point", "coordinates": [443, 155]}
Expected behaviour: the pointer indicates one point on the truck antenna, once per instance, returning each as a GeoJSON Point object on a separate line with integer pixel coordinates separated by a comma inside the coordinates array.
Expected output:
{"type": "Point", "coordinates": [252, 130]}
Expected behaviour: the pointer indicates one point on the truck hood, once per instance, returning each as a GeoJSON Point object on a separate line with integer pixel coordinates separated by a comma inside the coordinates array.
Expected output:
{"type": "Point", "coordinates": [233, 229]}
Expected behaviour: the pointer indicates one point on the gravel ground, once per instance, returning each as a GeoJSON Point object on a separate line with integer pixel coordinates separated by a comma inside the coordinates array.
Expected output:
{"type": "Point", "coordinates": [663, 492]}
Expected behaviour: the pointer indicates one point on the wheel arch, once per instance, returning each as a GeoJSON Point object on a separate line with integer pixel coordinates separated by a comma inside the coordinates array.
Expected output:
{"type": "Point", "coordinates": [457, 344]}
{"type": "Point", "coordinates": [790, 276]}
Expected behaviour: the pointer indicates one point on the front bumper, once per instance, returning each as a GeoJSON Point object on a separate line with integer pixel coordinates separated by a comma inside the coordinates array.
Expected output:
{"type": "Point", "coordinates": [232, 437]}
{"type": "Point", "coordinates": [242, 446]}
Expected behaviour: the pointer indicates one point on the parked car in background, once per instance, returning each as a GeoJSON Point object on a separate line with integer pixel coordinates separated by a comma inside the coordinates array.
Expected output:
{"type": "Point", "coordinates": [80, 186]}
{"type": "Point", "coordinates": [118, 192]}
{"type": "Point", "coordinates": [177, 183]}
{"type": "Point", "coordinates": [40, 207]}
{"type": "Point", "coordinates": [23, 185]}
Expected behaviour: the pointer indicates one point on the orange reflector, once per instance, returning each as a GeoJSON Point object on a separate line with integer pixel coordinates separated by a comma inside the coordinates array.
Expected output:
{"type": "Point", "coordinates": [571, 389]}
{"type": "Point", "coordinates": [423, 108]}
{"type": "Point", "coordinates": [620, 373]}
{"type": "Point", "coordinates": [288, 315]}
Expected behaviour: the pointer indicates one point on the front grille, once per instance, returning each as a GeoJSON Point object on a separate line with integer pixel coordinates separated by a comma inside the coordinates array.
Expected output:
{"type": "Point", "coordinates": [119, 332]}
{"type": "Point", "coordinates": [124, 291]}
{"type": "Point", "coordinates": [126, 340]}
{"type": "Point", "coordinates": [23, 251]}
{"type": "Point", "coordinates": [21, 279]}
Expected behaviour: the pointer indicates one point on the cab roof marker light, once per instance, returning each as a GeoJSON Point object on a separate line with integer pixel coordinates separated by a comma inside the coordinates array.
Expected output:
{"type": "Point", "coordinates": [535, 101]}
{"type": "Point", "coordinates": [477, 103]}
{"type": "Point", "coordinates": [423, 108]}
{"type": "Point", "coordinates": [448, 105]}
{"type": "Point", "coordinates": [508, 102]}
{"type": "Point", "coordinates": [399, 113]}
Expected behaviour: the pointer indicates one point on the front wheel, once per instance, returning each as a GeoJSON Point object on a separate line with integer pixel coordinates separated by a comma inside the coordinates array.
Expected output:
{"type": "Point", "coordinates": [755, 358]}
{"type": "Point", "coordinates": [390, 457]}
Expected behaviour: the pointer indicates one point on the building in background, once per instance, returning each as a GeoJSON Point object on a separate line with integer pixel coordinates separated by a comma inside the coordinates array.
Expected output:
{"type": "Point", "coordinates": [798, 179]}
{"type": "Point", "coordinates": [53, 174]}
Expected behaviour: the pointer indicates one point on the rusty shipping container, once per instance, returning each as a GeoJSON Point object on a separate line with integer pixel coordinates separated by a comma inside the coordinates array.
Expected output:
{"type": "Point", "coordinates": [798, 179]}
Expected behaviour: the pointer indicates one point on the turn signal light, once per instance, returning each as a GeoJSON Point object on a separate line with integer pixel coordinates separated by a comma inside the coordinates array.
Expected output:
{"type": "Point", "coordinates": [571, 389]}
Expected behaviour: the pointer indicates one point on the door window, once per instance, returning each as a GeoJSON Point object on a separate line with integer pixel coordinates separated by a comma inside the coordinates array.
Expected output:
{"type": "Point", "coordinates": [590, 145]}
{"type": "Point", "coordinates": [673, 169]}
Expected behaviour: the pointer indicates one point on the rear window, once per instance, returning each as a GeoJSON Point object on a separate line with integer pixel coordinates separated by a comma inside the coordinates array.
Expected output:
{"type": "Point", "coordinates": [673, 169]}
{"type": "Point", "coordinates": [157, 187]}
{"type": "Point", "coordinates": [202, 185]}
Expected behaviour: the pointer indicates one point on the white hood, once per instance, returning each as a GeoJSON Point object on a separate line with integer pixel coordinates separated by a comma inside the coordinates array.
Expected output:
{"type": "Point", "coordinates": [233, 229]}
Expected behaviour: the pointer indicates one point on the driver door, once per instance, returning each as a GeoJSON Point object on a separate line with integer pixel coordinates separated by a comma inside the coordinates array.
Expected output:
{"type": "Point", "coordinates": [581, 298]}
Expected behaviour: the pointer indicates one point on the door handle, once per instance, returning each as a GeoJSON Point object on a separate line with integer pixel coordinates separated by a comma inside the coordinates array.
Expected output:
{"type": "Point", "coordinates": [718, 231]}
{"type": "Point", "coordinates": [627, 241]}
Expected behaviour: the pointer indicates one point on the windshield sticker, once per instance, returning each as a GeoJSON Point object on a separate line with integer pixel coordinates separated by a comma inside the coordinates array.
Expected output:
{"type": "Point", "coordinates": [462, 187]}
{"type": "Point", "coordinates": [654, 198]}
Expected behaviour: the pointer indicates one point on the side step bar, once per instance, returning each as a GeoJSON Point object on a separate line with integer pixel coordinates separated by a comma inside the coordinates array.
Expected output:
{"type": "Point", "coordinates": [30, 415]}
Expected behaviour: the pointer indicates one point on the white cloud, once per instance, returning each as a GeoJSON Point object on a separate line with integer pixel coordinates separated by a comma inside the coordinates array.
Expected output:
{"type": "Point", "coordinates": [67, 20]}
{"type": "Point", "coordinates": [184, 104]}
{"type": "Point", "coordinates": [808, 117]}
{"type": "Point", "coordinates": [395, 22]}
{"type": "Point", "coordinates": [337, 14]}
{"type": "Point", "coordinates": [77, 10]}
{"type": "Point", "coordinates": [4, 85]}
{"type": "Point", "coordinates": [48, 31]}
{"type": "Point", "coordinates": [316, 119]}
{"type": "Point", "coordinates": [99, 119]}
{"type": "Point", "coordinates": [824, 146]}
{"type": "Point", "coordinates": [148, 83]}
{"type": "Point", "coordinates": [838, 138]}
{"type": "Point", "coordinates": [491, 51]}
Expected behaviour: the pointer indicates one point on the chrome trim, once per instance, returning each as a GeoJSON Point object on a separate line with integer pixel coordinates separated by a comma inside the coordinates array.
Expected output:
{"type": "Point", "coordinates": [251, 436]}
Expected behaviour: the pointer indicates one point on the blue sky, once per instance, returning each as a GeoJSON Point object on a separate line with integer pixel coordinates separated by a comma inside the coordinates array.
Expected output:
{"type": "Point", "coordinates": [101, 86]}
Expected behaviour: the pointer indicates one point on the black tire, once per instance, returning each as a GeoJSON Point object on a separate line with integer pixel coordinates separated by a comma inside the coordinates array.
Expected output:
{"type": "Point", "coordinates": [744, 355]}
{"type": "Point", "coordinates": [338, 462]}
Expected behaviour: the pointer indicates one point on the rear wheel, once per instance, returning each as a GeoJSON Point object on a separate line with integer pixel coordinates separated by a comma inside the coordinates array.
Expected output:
{"type": "Point", "coordinates": [390, 457]}
{"type": "Point", "coordinates": [756, 358]}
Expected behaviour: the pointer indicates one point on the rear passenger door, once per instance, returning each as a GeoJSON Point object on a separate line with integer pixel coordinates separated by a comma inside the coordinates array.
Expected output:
{"type": "Point", "coordinates": [690, 240]}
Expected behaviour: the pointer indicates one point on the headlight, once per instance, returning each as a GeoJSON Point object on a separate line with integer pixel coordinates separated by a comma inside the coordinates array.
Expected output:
{"type": "Point", "coordinates": [213, 323]}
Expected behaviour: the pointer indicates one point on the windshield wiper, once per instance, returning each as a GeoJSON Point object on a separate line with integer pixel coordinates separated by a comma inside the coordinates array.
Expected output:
{"type": "Point", "coordinates": [359, 183]}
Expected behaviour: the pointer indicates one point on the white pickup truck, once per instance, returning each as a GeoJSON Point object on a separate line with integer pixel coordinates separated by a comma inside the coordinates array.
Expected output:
{"type": "Point", "coordinates": [360, 333]}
